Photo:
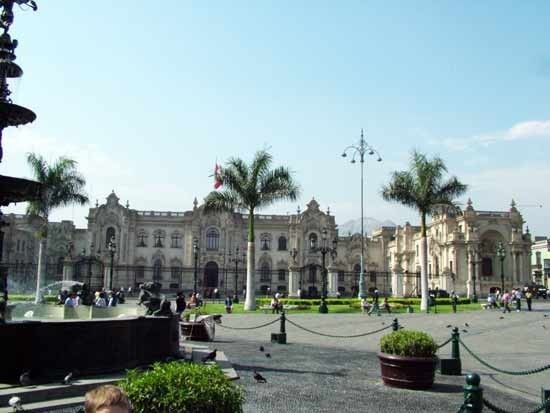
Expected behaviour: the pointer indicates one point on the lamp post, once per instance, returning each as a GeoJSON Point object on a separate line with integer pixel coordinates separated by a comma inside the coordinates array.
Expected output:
{"type": "Point", "coordinates": [196, 262]}
{"type": "Point", "coordinates": [473, 259]}
{"type": "Point", "coordinates": [501, 253]}
{"type": "Point", "coordinates": [324, 249]}
{"type": "Point", "coordinates": [293, 254]}
{"type": "Point", "coordinates": [236, 260]}
{"type": "Point", "coordinates": [361, 149]}
{"type": "Point", "coordinates": [112, 250]}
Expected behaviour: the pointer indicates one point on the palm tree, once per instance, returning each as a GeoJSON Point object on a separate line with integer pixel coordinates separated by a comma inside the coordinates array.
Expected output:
{"type": "Point", "coordinates": [62, 185]}
{"type": "Point", "coordinates": [251, 187]}
{"type": "Point", "coordinates": [422, 187]}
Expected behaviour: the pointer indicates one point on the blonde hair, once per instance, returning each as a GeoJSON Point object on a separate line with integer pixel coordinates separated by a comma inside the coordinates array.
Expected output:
{"type": "Point", "coordinates": [104, 397]}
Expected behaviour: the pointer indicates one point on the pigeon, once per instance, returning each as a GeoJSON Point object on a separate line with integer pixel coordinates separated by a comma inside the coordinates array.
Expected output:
{"type": "Point", "coordinates": [449, 325]}
{"type": "Point", "coordinates": [210, 356]}
{"type": "Point", "coordinates": [501, 318]}
{"type": "Point", "coordinates": [268, 355]}
{"type": "Point", "coordinates": [15, 402]}
{"type": "Point", "coordinates": [68, 378]}
{"type": "Point", "coordinates": [543, 326]}
{"type": "Point", "coordinates": [545, 315]}
{"type": "Point", "coordinates": [25, 379]}
{"type": "Point", "coordinates": [261, 348]}
{"type": "Point", "coordinates": [383, 323]}
{"type": "Point", "coordinates": [467, 325]}
{"type": "Point", "coordinates": [259, 378]}
{"type": "Point", "coordinates": [464, 331]}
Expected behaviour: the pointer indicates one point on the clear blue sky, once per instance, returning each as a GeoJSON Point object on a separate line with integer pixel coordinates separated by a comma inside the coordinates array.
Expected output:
{"type": "Point", "coordinates": [147, 95]}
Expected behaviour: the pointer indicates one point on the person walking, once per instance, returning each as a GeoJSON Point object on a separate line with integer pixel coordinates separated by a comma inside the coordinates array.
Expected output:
{"type": "Point", "coordinates": [529, 299]}
{"type": "Point", "coordinates": [454, 301]}
{"type": "Point", "coordinates": [506, 302]}
{"type": "Point", "coordinates": [375, 301]}
{"type": "Point", "coordinates": [180, 302]}
{"type": "Point", "coordinates": [517, 299]}
{"type": "Point", "coordinates": [386, 305]}
{"type": "Point", "coordinates": [228, 305]}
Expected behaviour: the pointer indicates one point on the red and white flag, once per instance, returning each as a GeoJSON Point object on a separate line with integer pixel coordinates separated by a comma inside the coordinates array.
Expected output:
{"type": "Point", "coordinates": [217, 176]}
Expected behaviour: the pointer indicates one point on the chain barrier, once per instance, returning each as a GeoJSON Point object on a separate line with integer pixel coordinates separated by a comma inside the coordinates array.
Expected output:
{"type": "Point", "coordinates": [497, 409]}
{"type": "Point", "coordinates": [250, 328]}
{"type": "Point", "coordinates": [513, 373]}
{"type": "Point", "coordinates": [444, 343]}
{"type": "Point", "coordinates": [465, 405]}
{"type": "Point", "coordinates": [338, 336]}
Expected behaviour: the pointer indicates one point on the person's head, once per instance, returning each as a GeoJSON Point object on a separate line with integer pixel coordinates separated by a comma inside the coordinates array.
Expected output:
{"type": "Point", "coordinates": [107, 399]}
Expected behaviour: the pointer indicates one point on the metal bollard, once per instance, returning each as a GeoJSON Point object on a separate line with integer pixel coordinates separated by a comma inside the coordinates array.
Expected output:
{"type": "Point", "coordinates": [545, 395]}
{"type": "Point", "coordinates": [452, 366]}
{"type": "Point", "coordinates": [280, 337]}
{"type": "Point", "coordinates": [395, 325]}
{"type": "Point", "coordinates": [473, 394]}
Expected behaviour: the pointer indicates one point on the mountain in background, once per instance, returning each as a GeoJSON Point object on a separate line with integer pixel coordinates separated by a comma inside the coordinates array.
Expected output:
{"type": "Point", "coordinates": [370, 224]}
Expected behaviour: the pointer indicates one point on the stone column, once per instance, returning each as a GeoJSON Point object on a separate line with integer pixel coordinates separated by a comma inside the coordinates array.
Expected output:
{"type": "Point", "coordinates": [521, 272]}
{"type": "Point", "coordinates": [332, 282]}
{"type": "Point", "coordinates": [397, 281]}
{"type": "Point", "coordinates": [514, 267]}
{"type": "Point", "coordinates": [68, 269]}
{"type": "Point", "coordinates": [293, 281]}
{"type": "Point", "coordinates": [469, 282]}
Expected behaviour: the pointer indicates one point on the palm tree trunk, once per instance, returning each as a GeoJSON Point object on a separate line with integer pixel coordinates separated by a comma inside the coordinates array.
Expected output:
{"type": "Point", "coordinates": [250, 301]}
{"type": "Point", "coordinates": [40, 270]}
{"type": "Point", "coordinates": [423, 264]}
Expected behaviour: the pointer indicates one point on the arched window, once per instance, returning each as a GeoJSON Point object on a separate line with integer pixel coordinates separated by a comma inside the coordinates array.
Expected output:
{"type": "Point", "coordinates": [157, 270]}
{"type": "Point", "coordinates": [312, 241]}
{"type": "Point", "coordinates": [60, 261]}
{"type": "Point", "coordinates": [142, 239]}
{"type": "Point", "coordinates": [486, 266]}
{"type": "Point", "coordinates": [158, 239]}
{"type": "Point", "coordinates": [282, 275]}
{"type": "Point", "coordinates": [265, 272]}
{"type": "Point", "coordinates": [341, 277]}
{"type": "Point", "coordinates": [110, 234]}
{"type": "Point", "coordinates": [265, 242]}
{"type": "Point", "coordinates": [312, 273]}
{"type": "Point", "coordinates": [212, 239]}
{"type": "Point", "coordinates": [282, 243]}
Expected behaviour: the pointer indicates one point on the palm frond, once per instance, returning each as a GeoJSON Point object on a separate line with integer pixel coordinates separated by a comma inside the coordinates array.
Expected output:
{"type": "Point", "coordinates": [401, 189]}
{"type": "Point", "coordinates": [223, 201]}
{"type": "Point", "coordinates": [275, 185]}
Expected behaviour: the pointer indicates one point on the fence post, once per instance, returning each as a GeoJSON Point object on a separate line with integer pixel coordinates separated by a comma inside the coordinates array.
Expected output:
{"type": "Point", "coordinates": [473, 394]}
{"type": "Point", "coordinates": [280, 337]}
{"type": "Point", "coordinates": [452, 366]}
{"type": "Point", "coordinates": [545, 394]}
{"type": "Point", "coordinates": [395, 324]}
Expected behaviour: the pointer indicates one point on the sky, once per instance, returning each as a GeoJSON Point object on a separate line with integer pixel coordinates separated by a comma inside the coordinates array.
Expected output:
{"type": "Point", "coordinates": [147, 96]}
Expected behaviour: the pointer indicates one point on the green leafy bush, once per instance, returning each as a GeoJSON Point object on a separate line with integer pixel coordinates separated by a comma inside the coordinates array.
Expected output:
{"type": "Point", "coordinates": [182, 388]}
{"type": "Point", "coordinates": [408, 343]}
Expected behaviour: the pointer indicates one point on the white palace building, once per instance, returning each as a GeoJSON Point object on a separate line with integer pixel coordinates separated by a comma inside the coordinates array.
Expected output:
{"type": "Point", "coordinates": [159, 246]}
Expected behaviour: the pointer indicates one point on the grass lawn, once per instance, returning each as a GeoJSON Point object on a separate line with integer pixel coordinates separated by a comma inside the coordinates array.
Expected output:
{"type": "Point", "coordinates": [334, 308]}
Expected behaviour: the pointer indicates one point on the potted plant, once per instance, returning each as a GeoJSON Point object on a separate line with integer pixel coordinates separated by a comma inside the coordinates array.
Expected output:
{"type": "Point", "coordinates": [407, 359]}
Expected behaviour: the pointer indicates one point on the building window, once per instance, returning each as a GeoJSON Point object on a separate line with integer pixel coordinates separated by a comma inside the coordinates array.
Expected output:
{"type": "Point", "coordinates": [265, 241]}
{"type": "Point", "coordinates": [539, 259]}
{"type": "Point", "coordinates": [175, 273]}
{"type": "Point", "coordinates": [139, 272]}
{"type": "Point", "coordinates": [142, 239]}
{"type": "Point", "coordinates": [282, 275]}
{"type": "Point", "coordinates": [60, 265]}
{"type": "Point", "coordinates": [486, 266]}
{"type": "Point", "coordinates": [109, 235]}
{"type": "Point", "coordinates": [312, 241]}
{"type": "Point", "coordinates": [373, 277]}
{"type": "Point", "coordinates": [19, 243]}
{"type": "Point", "coordinates": [265, 273]}
{"type": "Point", "coordinates": [341, 277]}
{"type": "Point", "coordinates": [158, 238]}
{"type": "Point", "coordinates": [282, 243]}
{"type": "Point", "coordinates": [312, 276]}
{"type": "Point", "coordinates": [157, 270]}
{"type": "Point", "coordinates": [176, 240]}
{"type": "Point", "coordinates": [212, 239]}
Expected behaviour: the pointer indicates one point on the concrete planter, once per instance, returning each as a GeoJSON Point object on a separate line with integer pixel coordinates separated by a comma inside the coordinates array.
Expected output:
{"type": "Point", "coordinates": [416, 373]}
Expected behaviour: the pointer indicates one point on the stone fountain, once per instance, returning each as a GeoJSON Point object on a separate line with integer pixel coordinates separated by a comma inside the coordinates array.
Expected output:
{"type": "Point", "coordinates": [78, 339]}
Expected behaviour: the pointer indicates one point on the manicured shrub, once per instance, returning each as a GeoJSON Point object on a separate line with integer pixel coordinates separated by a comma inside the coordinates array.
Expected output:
{"type": "Point", "coordinates": [183, 388]}
{"type": "Point", "coordinates": [408, 343]}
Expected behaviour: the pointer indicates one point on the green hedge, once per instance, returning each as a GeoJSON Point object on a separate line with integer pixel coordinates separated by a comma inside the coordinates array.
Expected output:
{"type": "Point", "coordinates": [353, 301]}
{"type": "Point", "coordinates": [408, 343]}
{"type": "Point", "coordinates": [182, 387]}
{"type": "Point", "coordinates": [30, 297]}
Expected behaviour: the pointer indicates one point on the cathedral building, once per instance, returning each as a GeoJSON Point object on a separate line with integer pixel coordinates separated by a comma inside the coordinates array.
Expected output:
{"type": "Point", "coordinates": [184, 249]}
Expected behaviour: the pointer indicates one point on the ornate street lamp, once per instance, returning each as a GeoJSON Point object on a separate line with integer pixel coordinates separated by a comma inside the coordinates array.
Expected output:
{"type": "Point", "coordinates": [236, 260]}
{"type": "Point", "coordinates": [112, 251]}
{"type": "Point", "coordinates": [324, 249]}
{"type": "Point", "coordinates": [501, 253]}
{"type": "Point", "coordinates": [361, 149]}
{"type": "Point", "coordinates": [473, 252]}
{"type": "Point", "coordinates": [196, 257]}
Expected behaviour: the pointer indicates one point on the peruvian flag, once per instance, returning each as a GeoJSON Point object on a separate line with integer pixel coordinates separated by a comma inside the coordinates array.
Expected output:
{"type": "Point", "coordinates": [217, 176]}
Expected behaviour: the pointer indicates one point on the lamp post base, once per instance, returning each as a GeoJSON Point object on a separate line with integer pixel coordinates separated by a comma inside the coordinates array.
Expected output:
{"type": "Point", "coordinates": [323, 309]}
{"type": "Point", "coordinates": [474, 298]}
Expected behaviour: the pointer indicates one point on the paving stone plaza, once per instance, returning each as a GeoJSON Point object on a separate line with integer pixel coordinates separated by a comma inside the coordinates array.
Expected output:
{"type": "Point", "coordinates": [321, 374]}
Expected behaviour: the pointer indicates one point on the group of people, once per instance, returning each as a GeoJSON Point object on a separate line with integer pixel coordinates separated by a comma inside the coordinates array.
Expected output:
{"type": "Point", "coordinates": [101, 298]}
{"type": "Point", "coordinates": [374, 306]}
{"type": "Point", "coordinates": [504, 300]}
{"type": "Point", "coordinates": [276, 304]}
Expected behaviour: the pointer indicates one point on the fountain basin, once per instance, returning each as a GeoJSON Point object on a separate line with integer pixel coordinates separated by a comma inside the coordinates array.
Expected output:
{"type": "Point", "coordinates": [51, 349]}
